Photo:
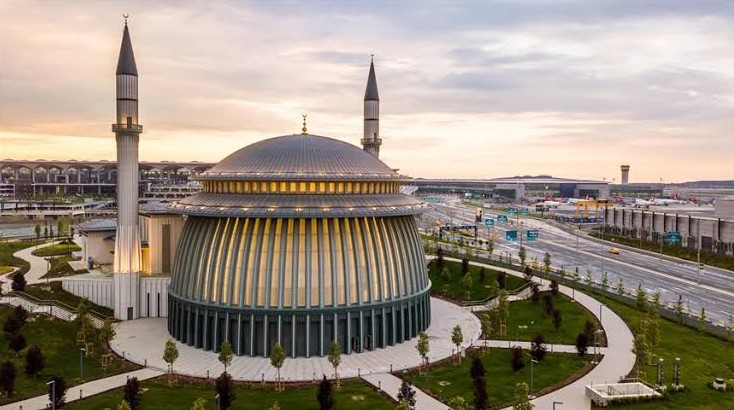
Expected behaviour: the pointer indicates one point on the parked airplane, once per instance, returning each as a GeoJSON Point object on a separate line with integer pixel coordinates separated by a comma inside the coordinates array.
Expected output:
{"type": "Point", "coordinates": [551, 204]}
{"type": "Point", "coordinates": [641, 203]}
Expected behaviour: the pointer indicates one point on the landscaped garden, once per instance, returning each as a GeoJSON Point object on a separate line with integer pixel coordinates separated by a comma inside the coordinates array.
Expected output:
{"type": "Point", "coordinates": [58, 345]}
{"type": "Point", "coordinates": [54, 291]}
{"type": "Point", "coordinates": [449, 379]}
{"type": "Point", "coordinates": [703, 358]}
{"type": "Point", "coordinates": [7, 249]}
{"type": "Point", "coordinates": [475, 284]}
{"type": "Point", "coordinates": [64, 248]}
{"type": "Point", "coordinates": [527, 318]}
{"type": "Point", "coordinates": [158, 394]}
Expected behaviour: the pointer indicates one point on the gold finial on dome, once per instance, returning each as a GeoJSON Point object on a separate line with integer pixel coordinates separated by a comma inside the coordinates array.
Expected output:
{"type": "Point", "coordinates": [304, 129]}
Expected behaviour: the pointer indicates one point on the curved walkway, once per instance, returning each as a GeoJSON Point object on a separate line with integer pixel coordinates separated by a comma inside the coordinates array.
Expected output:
{"type": "Point", "coordinates": [38, 268]}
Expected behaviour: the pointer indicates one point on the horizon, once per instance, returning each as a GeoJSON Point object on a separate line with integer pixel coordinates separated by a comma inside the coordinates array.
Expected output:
{"type": "Point", "coordinates": [568, 89]}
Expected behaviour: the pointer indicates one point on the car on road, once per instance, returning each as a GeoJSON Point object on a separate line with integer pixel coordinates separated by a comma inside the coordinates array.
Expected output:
{"type": "Point", "coordinates": [614, 251]}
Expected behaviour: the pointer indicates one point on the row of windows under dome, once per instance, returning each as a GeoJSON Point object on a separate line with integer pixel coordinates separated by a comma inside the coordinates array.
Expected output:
{"type": "Point", "coordinates": [300, 187]}
{"type": "Point", "coordinates": [301, 334]}
{"type": "Point", "coordinates": [298, 262]}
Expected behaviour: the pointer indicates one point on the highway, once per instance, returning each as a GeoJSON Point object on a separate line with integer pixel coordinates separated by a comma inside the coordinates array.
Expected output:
{"type": "Point", "coordinates": [715, 292]}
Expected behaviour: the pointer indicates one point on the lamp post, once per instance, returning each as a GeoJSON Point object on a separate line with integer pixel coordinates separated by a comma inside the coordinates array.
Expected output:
{"type": "Point", "coordinates": [532, 375]}
{"type": "Point", "coordinates": [218, 398]}
{"type": "Point", "coordinates": [81, 364]}
{"type": "Point", "coordinates": [556, 402]}
{"type": "Point", "coordinates": [53, 393]}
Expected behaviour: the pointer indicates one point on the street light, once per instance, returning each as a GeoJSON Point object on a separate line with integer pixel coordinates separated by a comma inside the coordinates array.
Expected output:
{"type": "Point", "coordinates": [531, 375]}
{"type": "Point", "coordinates": [53, 393]}
{"type": "Point", "coordinates": [81, 364]}
{"type": "Point", "coordinates": [556, 402]}
{"type": "Point", "coordinates": [219, 403]}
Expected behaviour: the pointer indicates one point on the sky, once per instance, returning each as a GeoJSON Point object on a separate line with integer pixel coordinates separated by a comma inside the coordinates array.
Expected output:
{"type": "Point", "coordinates": [468, 89]}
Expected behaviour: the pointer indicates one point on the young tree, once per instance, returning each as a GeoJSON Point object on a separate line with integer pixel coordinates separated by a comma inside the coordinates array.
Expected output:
{"type": "Point", "coordinates": [11, 326]}
{"type": "Point", "coordinates": [547, 264]}
{"type": "Point", "coordinates": [535, 295]}
{"type": "Point", "coordinates": [225, 390]}
{"type": "Point", "coordinates": [325, 395]}
{"type": "Point", "coordinates": [589, 279]}
{"type": "Point", "coordinates": [34, 361]}
{"type": "Point", "coordinates": [20, 314]}
{"type": "Point", "coordinates": [482, 275]}
{"type": "Point", "coordinates": [403, 405]}
{"type": "Point", "coordinates": [620, 287]}
{"type": "Point", "coordinates": [604, 281]}
{"type": "Point", "coordinates": [486, 321]}
{"type": "Point", "coordinates": [123, 405]}
{"type": "Point", "coordinates": [423, 347]}
{"type": "Point", "coordinates": [407, 394]}
{"type": "Point", "coordinates": [199, 404]}
{"type": "Point", "coordinates": [557, 319]}
{"type": "Point", "coordinates": [7, 377]}
{"type": "Point", "coordinates": [641, 348]}
{"type": "Point", "coordinates": [277, 357]}
{"type": "Point", "coordinates": [17, 343]}
{"type": "Point", "coordinates": [57, 392]}
{"type": "Point", "coordinates": [19, 282]}
{"type": "Point", "coordinates": [702, 319]}
{"type": "Point", "coordinates": [589, 328]}
{"type": "Point", "coordinates": [653, 326]}
{"type": "Point", "coordinates": [582, 343]}
{"type": "Point", "coordinates": [275, 406]}
{"type": "Point", "coordinates": [457, 338]}
{"type": "Point", "coordinates": [516, 360]}
{"type": "Point", "coordinates": [225, 354]}
{"type": "Point", "coordinates": [439, 259]}
{"type": "Point", "coordinates": [45, 232]}
{"type": "Point", "coordinates": [641, 298]}
{"type": "Point", "coordinates": [490, 247]}
{"type": "Point", "coordinates": [679, 308]}
{"type": "Point", "coordinates": [464, 267]}
{"type": "Point", "coordinates": [527, 273]}
{"type": "Point", "coordinates": [477, 372]}
{"type": "Point", "coordinates": [132, 393]}
{"type": "Point", "coordinates": [538, 349]}
{"type": "Point", "coordinates": [522, 254]}
{"type": "Point", "coordinates": [503, 310]}
{"type": "Point", "coordinates": [458, 403]}
{"type": "Point", "coordinates": [170, 354]}
{"type": "Point", "coordinates": [522, 400]}
{"type": "Point", "coordinates": [656, 299]}
{"type": "Point", "coordinates": [502, 280]}
{"type": "Point", "coordinates": [548, 303]}
{"type": "Point", "coordinates": [106, 333]}
{"type": "Point", "coordinates": [554, 287]}
{"type": "Point", "coordinates": [468, 283]}
{"type": "Point", "coordinates": [37, 229]}
{"type": "Point", "coordinates": [335, 358]}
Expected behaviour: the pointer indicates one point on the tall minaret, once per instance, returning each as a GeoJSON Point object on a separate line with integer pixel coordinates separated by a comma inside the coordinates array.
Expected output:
{"type": "Point", "coordinates": [127, 133]}
{"type": "Point", "coordinates": [371, 141]}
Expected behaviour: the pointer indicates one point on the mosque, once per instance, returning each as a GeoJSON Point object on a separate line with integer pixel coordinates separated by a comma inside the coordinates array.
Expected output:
{"type": "Point", "coordinates": [299, 240]}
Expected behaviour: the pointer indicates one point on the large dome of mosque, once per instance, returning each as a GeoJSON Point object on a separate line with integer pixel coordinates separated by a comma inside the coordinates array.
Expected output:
{"type": "Point", "coordinates": [299, 240]}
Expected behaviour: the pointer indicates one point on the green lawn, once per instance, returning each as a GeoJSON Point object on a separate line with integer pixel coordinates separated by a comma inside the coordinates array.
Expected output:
{"type": "Point", "coordinates": [57, 250]}
{"type": "Point", "coordinates": [6, 269]}
{"type": "Point", "coordinates": [57, 340]}
{"type": "Point", "coordinates": [454, 288]}
{"type": "Point", "coordinates": [528, 318]}
{"type": "Point", "coordinates": [159, 395]}
{"type": "Point", "coordinates": [500, 378]}
{"type": "Point", "coordinates": [7, 249]}
{"type": "Point", "coordinates": [703, 358]}
{"type": "Point", "coordinates": [53, 291]}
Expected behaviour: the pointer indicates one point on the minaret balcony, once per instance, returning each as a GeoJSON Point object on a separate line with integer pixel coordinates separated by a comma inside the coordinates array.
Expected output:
{"type": "Point", "coordinates": [127, 128]}
{"type": "Point", "coordinates": [376, 141]}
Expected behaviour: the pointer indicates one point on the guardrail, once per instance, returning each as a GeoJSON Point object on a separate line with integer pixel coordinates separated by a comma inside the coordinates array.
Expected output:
{"type": "Point", "coordinates": [52, 307]}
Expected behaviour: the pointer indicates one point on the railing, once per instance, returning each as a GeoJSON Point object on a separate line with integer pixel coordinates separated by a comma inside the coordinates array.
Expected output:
{"type": "Point", "coordinates": [55, 308]}
{"type": "Point", "coordinates": [127, 127]}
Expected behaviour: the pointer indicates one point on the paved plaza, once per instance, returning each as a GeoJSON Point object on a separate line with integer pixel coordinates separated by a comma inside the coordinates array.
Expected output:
{"type": "Point", "coordinates": [142, 342]}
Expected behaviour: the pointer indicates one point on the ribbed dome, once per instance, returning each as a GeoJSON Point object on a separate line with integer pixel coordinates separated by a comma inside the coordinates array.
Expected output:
{"type": "Point", "coordinates": [303, 156]}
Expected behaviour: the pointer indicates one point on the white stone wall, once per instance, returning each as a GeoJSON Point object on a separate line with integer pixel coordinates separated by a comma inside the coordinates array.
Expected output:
{"type": "Point", "coordinates": [154, 296]}
{"type": "Point", "coordinates": [97, 289]}
{"type": "Point", "coordinates": [154, 234]}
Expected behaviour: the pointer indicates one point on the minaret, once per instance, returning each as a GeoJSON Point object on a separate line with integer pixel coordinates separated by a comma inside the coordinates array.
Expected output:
{"type": "Point", "coordinates": [371, 141]}
{"type": "Point", "coordinates": [127, 133]}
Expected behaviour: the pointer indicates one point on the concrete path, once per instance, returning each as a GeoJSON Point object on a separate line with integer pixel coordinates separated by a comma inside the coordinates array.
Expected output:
{"type": "Point", "coordinates": [391, 384]}
{"type": "Point", "coordinates": [38, 268]}
{"type": "Point", "coordinates": [141, 341]}
{"type": "Point", "coordinates": [84, 390]}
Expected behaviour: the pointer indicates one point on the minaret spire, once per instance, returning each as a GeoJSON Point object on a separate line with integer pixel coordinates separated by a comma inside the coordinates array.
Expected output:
{"type": "Point", "coordinates": [127, 129]}
{"type": "Point", "coordinates": [371, 140]}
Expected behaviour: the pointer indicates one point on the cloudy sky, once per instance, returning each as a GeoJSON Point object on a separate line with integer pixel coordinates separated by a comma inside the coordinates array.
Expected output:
{"type": "Point", "coordinates": [469, 89]}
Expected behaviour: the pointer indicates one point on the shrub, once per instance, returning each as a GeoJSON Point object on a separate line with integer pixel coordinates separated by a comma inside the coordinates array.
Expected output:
{"type": "Point", "coordinates": [132, 393]}
{"type": "Point", "coordinates": [325, 395]}
{"type": "Point", "coordinates": [34, 361]}
{"type": "Point", "coordinates": [582, 343]}
{"type": "Point", "coordinates": [225, 390]}
{"type": "Point", "coordinates": [516, 360]}
{"type": "Point", "coordinates": [57, 392]}
{"type": "Point", "coordinates": [538, 348]}
{"type": "Point", "coordinates": [7, 377]}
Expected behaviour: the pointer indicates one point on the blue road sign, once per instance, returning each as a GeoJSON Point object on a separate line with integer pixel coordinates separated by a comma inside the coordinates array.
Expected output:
{"type": "Point", "coordinates": [673, 237]}
{"type": "Point", "coordinates": [511, 210]}
{"type": "Point", "coordinates": [531, 234]}
{"type": "Point", "coordinates": [511, 236]}
{"type": "Point", "coordinates": [489, 222]}
{"type": "Point", "coordinates": [524, 211]}
{"type": "Point", "coordinates": [502, 219]}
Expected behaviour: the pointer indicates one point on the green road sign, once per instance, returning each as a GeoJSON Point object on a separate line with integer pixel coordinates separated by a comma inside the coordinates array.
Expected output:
{"type": "Point", "coordinates": [489, 222]}
{"type": "Point", "coordinates": [511, 236]}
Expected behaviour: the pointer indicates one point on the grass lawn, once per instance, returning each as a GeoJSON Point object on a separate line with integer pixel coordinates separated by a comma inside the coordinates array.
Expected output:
{"type": "Point", "coordinates": [7, 249]}
{"type": "Point", "coordinates": [703, 358]}
{"type": "Point", "coordinates": [528, 318]}
{"type": "Point", "coordinates": [500, 378]}
{"type": "Point", "coordinates": [159, 395]}
{"type": "Point", "coordinates": [6, 269]}
{"type": "Point", "coordinates": [454, 288]}
{"type": "Point", "coordinates": [53, 291]}
{"type": "Point", "coordinates": [57, 340]}
{"type": "Point", "coordinates": [57, 250]}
